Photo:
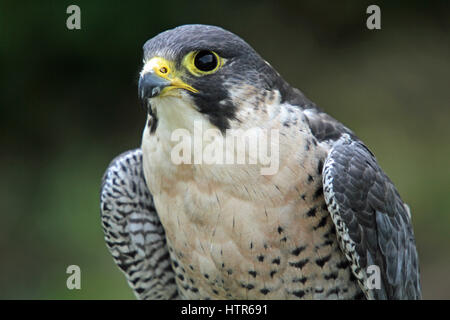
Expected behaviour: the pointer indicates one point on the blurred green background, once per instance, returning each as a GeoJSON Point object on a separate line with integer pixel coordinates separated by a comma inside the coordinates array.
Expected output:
{"type": "Point", "coordinates": [68, 105]}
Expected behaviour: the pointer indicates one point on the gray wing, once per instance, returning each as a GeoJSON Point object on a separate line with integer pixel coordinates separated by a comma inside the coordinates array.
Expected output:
{"type": "Point", "coordinates": [373, 224]}
{"type": "Point", "coordinates": [133, 232]}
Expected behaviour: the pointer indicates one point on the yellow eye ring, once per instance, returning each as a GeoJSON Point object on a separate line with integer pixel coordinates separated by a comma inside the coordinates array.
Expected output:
{"type": "Point", "coordinates": [202, 62]}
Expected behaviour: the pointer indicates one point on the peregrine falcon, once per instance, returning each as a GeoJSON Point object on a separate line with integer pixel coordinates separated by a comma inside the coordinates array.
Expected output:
{"type": "Point", "coordinates": [327, 224]}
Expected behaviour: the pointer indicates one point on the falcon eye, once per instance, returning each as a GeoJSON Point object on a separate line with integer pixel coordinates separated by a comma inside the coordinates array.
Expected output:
{"type": "Point", "coordinates": [202, 62]}
{"type": "Point", "coordinates": [205, 61]}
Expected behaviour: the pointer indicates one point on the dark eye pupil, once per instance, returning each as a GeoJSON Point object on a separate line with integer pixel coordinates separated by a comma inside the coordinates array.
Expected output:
{"type": "Point", "coordinates": [205, 61]}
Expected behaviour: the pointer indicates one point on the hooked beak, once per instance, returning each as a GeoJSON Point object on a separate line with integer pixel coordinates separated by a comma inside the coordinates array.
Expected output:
{"type": "Point", "coordinates": [151, 85]}
{"type": "Point", "coordinates": [158, 78]}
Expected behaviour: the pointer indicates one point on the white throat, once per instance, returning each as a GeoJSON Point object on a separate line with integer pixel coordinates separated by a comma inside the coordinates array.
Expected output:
{"type": "Point", "coordinates": [176, 112]}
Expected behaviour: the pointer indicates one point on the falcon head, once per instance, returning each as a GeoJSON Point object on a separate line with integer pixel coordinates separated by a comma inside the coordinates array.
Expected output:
{"type": "Point", "coordinates": [206, 70]}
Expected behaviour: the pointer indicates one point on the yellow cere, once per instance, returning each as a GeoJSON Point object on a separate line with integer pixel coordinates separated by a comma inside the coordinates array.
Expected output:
{"type": "Point", "coordinates": [166, 70]}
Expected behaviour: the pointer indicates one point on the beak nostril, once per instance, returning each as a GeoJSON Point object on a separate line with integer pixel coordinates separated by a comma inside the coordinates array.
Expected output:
{"type": "Point", "coordinates": [163, 70]}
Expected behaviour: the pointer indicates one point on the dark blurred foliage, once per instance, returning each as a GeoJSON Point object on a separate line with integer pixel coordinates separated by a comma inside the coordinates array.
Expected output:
{"type": "Point", "coordinates": [68, 105]}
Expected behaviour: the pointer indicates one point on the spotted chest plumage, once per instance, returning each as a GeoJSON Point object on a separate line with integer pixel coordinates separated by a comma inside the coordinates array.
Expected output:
{"type": "Point", "coordinates": [233, 233]}
{"type": "Point", "coordinates": [284, 265]}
